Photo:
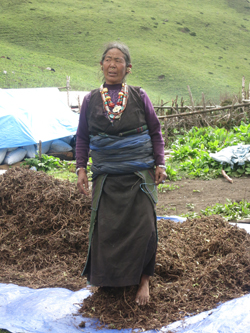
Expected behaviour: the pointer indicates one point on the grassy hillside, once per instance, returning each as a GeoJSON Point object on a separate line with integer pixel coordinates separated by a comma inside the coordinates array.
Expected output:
{"type": "Point", "coordinates": [203, 44]}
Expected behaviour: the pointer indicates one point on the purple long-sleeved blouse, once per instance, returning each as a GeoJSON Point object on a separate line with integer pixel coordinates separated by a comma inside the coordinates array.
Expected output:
{"type": "Point", "coordinates": [154, 128]}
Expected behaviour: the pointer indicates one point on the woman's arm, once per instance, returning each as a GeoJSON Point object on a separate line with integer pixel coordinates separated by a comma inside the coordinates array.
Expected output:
{"type": "Point", "coordinates": [154, 128]}
{"type": "Point", "coordinates": [82, 136]}
{"type": "Point", "coordinates": [82, 148]}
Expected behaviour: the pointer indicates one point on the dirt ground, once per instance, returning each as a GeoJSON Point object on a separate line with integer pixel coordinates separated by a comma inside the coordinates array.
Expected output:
{"type": "Point", "coordinates": [194, 195]}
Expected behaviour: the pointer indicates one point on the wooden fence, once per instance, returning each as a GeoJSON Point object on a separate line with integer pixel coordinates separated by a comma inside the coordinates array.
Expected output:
{"type": "Point", "coordinates": [184, 117]}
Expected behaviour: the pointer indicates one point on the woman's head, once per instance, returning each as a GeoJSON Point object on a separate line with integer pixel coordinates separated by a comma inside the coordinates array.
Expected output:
{"type": "Point", "coordinates": [115, 63]}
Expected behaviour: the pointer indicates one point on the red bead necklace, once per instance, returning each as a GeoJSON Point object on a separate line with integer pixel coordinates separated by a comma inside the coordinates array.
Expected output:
{"type": "Point", "coordinates": [120, 106]}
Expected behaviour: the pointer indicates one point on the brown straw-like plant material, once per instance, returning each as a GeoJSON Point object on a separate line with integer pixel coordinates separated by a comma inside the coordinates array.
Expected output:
{"type": "Point", "coordinates": [43, 230]}
{"type": "Point", "coordinates": [44, 239]}
{"type": "Point", "coordinates": [200, 263]}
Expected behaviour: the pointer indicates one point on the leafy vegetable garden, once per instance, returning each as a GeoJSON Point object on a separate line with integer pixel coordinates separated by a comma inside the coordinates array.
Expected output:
{"type": "Point", "coordinates": [191, 151]}
{"type": "Point", "coordinates": [190, 159]}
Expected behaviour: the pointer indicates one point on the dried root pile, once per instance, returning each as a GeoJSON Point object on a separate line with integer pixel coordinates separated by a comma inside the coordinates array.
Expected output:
{"type": "Point", "coordinates": [200, 263]}
{"type": "Point", "coordinates": [44, 240]}
{"type": "Point", "coordinates": [43, 230]}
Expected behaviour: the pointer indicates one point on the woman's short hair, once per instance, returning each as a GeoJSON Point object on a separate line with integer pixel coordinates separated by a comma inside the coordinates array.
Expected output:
{"type": "Point", "coordinates": [122, 47]}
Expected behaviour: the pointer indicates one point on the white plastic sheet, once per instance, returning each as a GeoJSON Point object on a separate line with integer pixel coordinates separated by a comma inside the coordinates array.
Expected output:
{"type": "Point", "coordinates": [232, 155]}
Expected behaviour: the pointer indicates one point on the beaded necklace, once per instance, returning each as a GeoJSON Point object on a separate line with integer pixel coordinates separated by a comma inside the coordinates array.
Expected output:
{"type": "Point", "coordinates": [120, 106]}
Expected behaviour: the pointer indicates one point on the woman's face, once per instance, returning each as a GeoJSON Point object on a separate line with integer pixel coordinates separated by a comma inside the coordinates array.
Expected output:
{"type": "Point", "coordinates": [114, 66]}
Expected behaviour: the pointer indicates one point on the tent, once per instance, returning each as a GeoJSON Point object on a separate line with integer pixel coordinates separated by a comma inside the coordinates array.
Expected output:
{"type": "Point", "coordinates": [30, 115]}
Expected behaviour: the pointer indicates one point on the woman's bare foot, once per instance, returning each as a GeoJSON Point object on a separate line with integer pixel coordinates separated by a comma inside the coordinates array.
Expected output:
{"type": "Point", "coordinates": [142, 295]}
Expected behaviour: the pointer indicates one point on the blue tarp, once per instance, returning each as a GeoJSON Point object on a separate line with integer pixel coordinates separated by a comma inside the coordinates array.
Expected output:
{"type": "Point", "coordinates": [55, 310]}
{"type": "Point", "coordinates": [33, 114]}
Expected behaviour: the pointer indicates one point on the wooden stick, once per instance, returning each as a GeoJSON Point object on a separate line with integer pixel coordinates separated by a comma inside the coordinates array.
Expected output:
{"type": "Point", "coordinates": [166, 131]}
{"type": "Point", "coordinates": [79, 103]}
{"type": "Point", "coordinates": [205, 111]}
{"type": "Point", "coordinates": [191, 97]}
{"type": "Point", "coordinates": [243, 94]}
{"type": "Point", "coordinates": [226, 176]}
{"type": "Point", "coordinates": [203, 101]}
{"type": "Point", "coordinates": [183, 107]}
{"type": "Point", "coordinates": [68, 86]}
{"type": "Point", "coordinates": [162, 113]}
{"type": "Point", "coordinates": [40, 149]}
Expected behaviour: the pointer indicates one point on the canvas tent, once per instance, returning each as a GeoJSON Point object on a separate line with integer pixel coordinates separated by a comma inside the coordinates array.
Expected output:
{"type": "Point", "coordinates": [30, 115]}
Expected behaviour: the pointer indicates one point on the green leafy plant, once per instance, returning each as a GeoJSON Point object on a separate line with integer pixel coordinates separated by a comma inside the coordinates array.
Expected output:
{"type": "Point", "coordinates": [190, 206]}
{"type": "Point", "coordinates": [171, 172]}
{"type": "Point", "coordinates": [46, 162]}
{"type": "Point", "coordinates": [55, 167]}
{"type": "Point", "coordinates": [231, 211]}
{"type": "Point", "coordinates": [192, 151]}
{"type": "Point", "coordinates": [162, 188]}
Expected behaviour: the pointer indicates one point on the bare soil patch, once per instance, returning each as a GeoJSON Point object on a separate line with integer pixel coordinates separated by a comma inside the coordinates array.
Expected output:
{"type": "Point", "coordinates": [195, 194]}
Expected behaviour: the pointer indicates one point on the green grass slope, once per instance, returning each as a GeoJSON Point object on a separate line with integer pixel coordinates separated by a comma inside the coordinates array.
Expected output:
{"type": "Point", "coordinates": [203, 44]}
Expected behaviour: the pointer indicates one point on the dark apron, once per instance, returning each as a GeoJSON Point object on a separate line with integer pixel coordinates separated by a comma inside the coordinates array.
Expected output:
{"type": "Point", "coordinates": [123, 232]}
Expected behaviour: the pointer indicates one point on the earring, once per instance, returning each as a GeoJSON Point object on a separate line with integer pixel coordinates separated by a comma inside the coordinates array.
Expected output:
{"type": "Point", "coordinates": [128, 69]}
{"type": "Point", "coordinates": [102, 68]}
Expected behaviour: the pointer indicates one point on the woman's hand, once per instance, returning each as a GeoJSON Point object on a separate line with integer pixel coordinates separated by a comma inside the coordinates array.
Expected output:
{"type": "Point", "coordinates": [160, 175]}
{"type": "Point", "coordinates": [83, 180]}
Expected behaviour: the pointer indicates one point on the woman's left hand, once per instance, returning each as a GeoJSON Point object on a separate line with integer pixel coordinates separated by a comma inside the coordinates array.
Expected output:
{"type": "Point", "coordinates": [160, 175]}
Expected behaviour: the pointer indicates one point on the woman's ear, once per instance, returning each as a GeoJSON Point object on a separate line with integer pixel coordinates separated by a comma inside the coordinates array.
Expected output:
{"type": "Point", "coordinates": [101, 65]}
{"type": "Point", "coordinates": [129, 68]}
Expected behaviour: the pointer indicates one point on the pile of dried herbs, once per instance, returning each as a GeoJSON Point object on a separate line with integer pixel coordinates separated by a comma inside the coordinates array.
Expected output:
{"type": "Point", "coordinates": [43, 230]}
{"type": "Point", "coordinates": [44, 239]}
{"type": "Point", "coordinates": [200, 263]}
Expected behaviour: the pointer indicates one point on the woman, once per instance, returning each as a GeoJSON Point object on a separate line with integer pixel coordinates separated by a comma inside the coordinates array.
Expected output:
{"type": "Point", "coordinates": [119, 125]}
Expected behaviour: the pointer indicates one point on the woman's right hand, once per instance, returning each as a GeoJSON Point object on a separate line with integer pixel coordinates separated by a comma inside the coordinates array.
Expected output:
{"type": "Point", "coordinates": [82, 182]}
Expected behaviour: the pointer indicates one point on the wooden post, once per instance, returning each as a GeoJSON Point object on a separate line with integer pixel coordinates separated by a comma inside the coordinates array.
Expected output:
{"type": "Point", "coordinates": [204, 108]}
{"type": "Point", "coordinates": [79, 104]}
{"type": "Point", "coordinates": [243, 89]}
{"type": "Point", "coordinates": [192, 105]}
{"type": "Point", "coordinates": [68, 86]}
{"type": "Point", "coordinates": [243, 94]}
{"type": "Point", "coordinates": [203, 102]}
{"type": "Point", "coordinates": [166, 131]}
{"type": "Point", "coordinates": [231, 110]}
{"type": "Point", "coordinates": [248, 97]}
{"type": "Point", "coordinates": [162, 110]}
{"type": "Point", "coordinates": [40, 149]}
{"type": "Point", "coordinates": [191, 98]}
{"type": "Point", "coordinates": [182, 102]}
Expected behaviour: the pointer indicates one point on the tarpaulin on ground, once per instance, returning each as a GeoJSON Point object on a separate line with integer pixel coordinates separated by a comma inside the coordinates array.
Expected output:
{"type": "Point", "coordinates": [55, 310]}
{"type": "Point", "coordinates": [234, 154]}
{"type": "Point", "coordinates": [33, 114]}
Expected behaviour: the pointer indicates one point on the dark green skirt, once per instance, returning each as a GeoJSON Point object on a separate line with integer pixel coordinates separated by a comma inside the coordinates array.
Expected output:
{"type": "Point", "coordinates": [124, 240]}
